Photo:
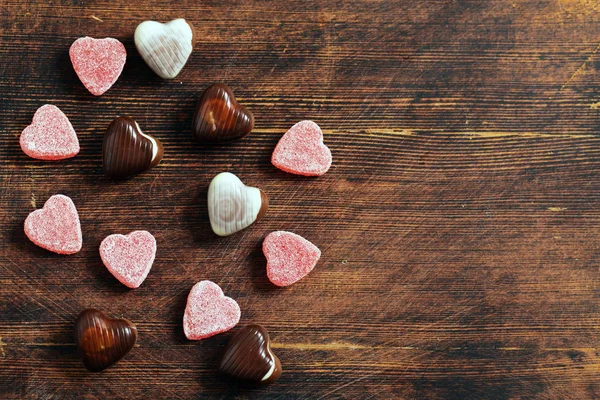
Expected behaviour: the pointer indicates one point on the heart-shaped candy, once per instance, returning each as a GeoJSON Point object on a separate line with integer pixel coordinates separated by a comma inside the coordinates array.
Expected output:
{"type": "Point", "coordinates": [165, 47]}
{"type": "Point", "coordinates": [248, 356]}
{"type": "Point", "coordinates": [209, 311]}
{"type": "Point", "coordinates": [98, 62]}
{"type": "Point", "coordinates": [129, 257]}
{"type": "Point", "coordinates": [50, 135]}
{"type": "Point", "coordinates": [219, 117]}
{"type": "Point", "coordinates": [301, 151]}
{"type": "Point", "coordinates": [102, 341]}
{"type": "Point", "coordinates": [290, 257]}
{"type": "Point", "coordinates": [126, 150]}
{"type": "Point", "coordinates": [56, 226]}
{"type": "Point", "coordinates": [233, 206]}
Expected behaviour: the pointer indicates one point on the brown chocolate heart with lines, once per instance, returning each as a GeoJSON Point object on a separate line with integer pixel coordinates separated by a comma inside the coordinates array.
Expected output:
{"type": "Point", "coordinates": [127, 151]}
{"type": "Point", "coordinates": [102, 341]}
{"type": "Point", "coordinates": [248, 356]}
{"type": "Point", "coordinates": [219, 117]}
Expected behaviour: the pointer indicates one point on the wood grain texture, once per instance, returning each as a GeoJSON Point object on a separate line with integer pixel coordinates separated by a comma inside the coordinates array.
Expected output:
{"type": "Point", "coordinates": [459, 222]}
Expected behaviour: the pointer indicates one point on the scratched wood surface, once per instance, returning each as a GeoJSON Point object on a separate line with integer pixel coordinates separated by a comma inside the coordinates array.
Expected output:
{"type": "Point", "coordinates": [459, 223]}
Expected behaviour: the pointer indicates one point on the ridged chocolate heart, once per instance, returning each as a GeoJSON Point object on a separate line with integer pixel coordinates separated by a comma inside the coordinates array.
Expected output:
{"type": "Point", "coordinates": [126, 150]}
{"type": "Point", "coordinates": [165, 47]}
{"type": "Point", "coordinates": [219, 117]}
{"type": "Point", "coordinates": [248, 356]}
{"type": "Point", "coordinates": [233, 206]}
{"type": "Point", "coordinates": [102, 341]}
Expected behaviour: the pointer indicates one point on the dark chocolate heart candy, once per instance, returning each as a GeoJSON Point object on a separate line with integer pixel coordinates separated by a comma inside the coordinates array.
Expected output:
{"type": "Point", "coordinates": [102, 341]}
{"type": "Point", "coordinates": [219, 117]}
{"type": "Point", "coordinates": [248, 356]}
{"type": "Point", "coordinates": [126, 150]}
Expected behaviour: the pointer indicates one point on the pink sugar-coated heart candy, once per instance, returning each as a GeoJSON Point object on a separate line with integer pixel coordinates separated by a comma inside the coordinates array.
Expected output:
{"type": "Point", "coordinates": [50, 135]}
{"type": "Point", "coordinates": [129, 257]}
{"type": "Point", "coordinates": [301, 151]}
{"type": "Point", "coordinates": [209, 311]}
{"type": "Point", "coordinates": [290, 257]}
{"type": "Point", "coordinates": [98, 62]}
{"type": "Point", "coordinates": [56, 226]}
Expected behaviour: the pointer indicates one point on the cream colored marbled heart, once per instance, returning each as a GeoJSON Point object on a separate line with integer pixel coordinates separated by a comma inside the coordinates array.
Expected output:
{"type": "Point", "coordinates": [165, 47]}
{"type": "Point", "coordinates": [233, 206]}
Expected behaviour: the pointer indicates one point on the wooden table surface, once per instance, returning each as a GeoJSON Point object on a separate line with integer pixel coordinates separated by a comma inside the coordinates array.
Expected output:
{"type": "Point", "coordinates": [459, 223]}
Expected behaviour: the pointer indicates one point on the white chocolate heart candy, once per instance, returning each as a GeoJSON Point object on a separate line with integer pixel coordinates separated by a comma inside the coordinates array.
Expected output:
{"type": "Point", "coordinates": [233, 206]}
{"type": "Point", "coordinates": [165, 47]}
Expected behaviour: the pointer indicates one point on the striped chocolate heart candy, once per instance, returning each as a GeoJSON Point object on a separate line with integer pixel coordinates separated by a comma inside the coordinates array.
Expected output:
{"type": "Point", "coordinates": [233, 206]}
{"type": "Point", "coordinates": [127, 151]}
{"type": "Point", "coordinates": [166, 48]}
{"type": "Point", "coordinates": [102, 341]}
{"type": "Point", "coordinates": [219, 117]}
{"type": "Point", "coordinates": [248, 356]}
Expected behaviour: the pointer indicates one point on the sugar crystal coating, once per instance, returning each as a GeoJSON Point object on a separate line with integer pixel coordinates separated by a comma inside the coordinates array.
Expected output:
{"type": "Point", "coordinates": [129, 257]}
{"type": "Point", "coordinates": [98, 62]}
{"type": "Point", "coordinates": [301, 151]}
{"type": "Point", "coordinates": [290, 257]}
{"type": "Point", "coordinates": [56, 226]}
{"type": "Point", "coordinates": [50, 135]}
{"type": "Point", "coordinates": [209, 311]}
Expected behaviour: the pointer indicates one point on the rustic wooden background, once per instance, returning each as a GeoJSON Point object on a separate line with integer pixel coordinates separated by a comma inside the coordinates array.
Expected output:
{"type": "Point", "coordinates": [459, 223]}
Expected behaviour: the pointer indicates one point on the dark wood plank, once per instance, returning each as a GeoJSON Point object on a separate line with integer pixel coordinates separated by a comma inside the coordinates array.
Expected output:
{"type": "Point", "coordinates": [458, 223]}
